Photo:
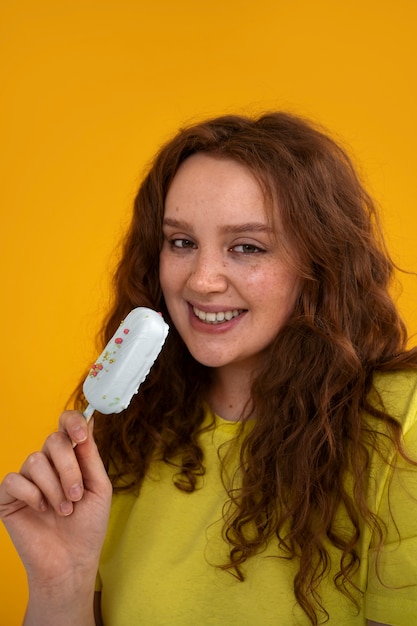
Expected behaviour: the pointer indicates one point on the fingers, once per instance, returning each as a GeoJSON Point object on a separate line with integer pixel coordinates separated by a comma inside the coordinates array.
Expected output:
{"type": "Point", "coordinates": [51, 478]}
{"type": "Point", "coordinates": [78, 469]}
{"type": "Point", "coordinates": [16, 492]}
{"type": "Point", "coordinates": [94, 474]}
{"type": "Point", "coordinates": [56, 473]}
{"type": "Point", "coordinates": [60, 474]}
{"type": "Point", "coordinates": [75, 425]}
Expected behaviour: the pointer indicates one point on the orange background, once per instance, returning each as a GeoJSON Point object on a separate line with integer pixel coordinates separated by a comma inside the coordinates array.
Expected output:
{"type": "Point", "coordinates": [88, 91]}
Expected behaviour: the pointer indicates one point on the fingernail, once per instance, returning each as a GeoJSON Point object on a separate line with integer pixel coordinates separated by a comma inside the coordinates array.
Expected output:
{"type": "Point", "coordinates": [66, 507]}
{"type": "Point", "coordinates": [75, 492]}
{"type": "Point", "coordinates": [43, 505]}
{"type": "Point", "coordinates": [79, 434]}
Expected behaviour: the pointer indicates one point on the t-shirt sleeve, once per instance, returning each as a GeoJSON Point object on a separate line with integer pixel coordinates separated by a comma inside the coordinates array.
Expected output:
{"type": "Point", "coordinates": [391, 595]}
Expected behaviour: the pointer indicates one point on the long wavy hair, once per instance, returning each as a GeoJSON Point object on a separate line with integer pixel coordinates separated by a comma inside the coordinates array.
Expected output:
{"type": "Point", "coordinates": [310, 394]}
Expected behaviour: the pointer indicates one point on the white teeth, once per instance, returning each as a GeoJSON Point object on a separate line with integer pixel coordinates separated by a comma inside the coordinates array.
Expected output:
{"type": "Point", "coordinates": [216, 318]}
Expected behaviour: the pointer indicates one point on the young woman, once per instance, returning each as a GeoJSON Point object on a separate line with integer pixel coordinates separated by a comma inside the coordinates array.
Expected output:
{"type": "Point", "coordinates": [265, 473]}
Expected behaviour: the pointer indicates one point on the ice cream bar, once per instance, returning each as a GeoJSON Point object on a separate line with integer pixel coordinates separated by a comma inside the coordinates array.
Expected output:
{"type": "Point", "coordinates": [125, 362]}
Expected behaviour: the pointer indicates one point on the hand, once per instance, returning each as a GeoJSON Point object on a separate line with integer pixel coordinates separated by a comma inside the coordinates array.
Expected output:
{"type": "Point", "coordinates": [56, 509]}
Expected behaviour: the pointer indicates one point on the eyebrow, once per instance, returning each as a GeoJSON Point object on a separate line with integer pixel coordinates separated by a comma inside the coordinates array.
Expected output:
{"type": "Point", "coordinates": [258, 227]}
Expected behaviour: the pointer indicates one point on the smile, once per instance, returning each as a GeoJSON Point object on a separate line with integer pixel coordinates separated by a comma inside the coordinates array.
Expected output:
{"type": "Point", "coordinates": [216, 318]}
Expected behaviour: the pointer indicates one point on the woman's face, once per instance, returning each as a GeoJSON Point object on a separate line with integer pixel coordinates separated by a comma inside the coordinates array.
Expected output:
{"type": "Point", "coordinates": [226, 286]}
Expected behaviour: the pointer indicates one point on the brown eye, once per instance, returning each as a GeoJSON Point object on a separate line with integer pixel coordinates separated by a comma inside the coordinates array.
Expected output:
{"type": "Point", "coordinates": [182, 243]}
{"type": "Point", "coordinates": [247, 248]}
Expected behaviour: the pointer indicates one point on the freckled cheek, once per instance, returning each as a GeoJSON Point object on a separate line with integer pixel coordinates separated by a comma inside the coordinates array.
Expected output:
{"type": "Point", "coordinates": [282, 286]}
{"type": "Point", "coordinates": [259, 279]}
{"type": "Point", "coordinates": [171, 275]}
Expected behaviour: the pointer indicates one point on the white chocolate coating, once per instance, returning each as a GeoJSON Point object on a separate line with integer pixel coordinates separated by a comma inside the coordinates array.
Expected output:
{"type": "Point", "coordinates": [125, 362]}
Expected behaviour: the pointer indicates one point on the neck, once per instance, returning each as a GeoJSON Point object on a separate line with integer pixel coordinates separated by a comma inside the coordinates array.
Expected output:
{"type": "Point", "coordinates": [229, 393]}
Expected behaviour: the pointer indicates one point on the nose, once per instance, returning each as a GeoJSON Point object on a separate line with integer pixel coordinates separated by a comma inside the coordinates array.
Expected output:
{"type": "Point", "coordinates": [208, 274]}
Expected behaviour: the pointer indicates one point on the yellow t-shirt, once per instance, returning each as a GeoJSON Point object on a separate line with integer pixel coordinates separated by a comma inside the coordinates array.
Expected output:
{"type": "Point", "coordinates": [158, 564]}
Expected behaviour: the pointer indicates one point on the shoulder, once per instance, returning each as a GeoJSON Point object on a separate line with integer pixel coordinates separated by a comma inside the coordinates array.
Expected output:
{"type": "Point", "coordinates": [396, 393]}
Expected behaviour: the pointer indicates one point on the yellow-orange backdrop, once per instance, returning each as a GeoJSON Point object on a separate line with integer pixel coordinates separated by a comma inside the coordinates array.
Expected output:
{"type": "Point", "coordinates": [89, 89]}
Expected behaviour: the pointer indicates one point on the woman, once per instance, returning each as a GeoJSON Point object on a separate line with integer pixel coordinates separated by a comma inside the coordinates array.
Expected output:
{"type": "Point", "coordinates": [264, 473]}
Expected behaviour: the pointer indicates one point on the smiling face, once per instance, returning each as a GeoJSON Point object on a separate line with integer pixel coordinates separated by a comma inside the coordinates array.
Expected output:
{"type": "Point", "coordinates": [224, 280]}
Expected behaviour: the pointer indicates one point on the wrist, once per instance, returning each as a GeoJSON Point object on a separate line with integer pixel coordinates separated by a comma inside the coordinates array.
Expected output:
{"type": "Point", "coordinates": [64, 602]}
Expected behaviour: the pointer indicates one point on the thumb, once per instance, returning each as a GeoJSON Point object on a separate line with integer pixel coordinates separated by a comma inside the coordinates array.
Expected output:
{"type": "Point", "coordinates": [91, 465]}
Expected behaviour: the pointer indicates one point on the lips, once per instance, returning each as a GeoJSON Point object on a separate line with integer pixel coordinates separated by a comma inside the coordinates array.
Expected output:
{"type": "Point", "coordinates": [218, 317]}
